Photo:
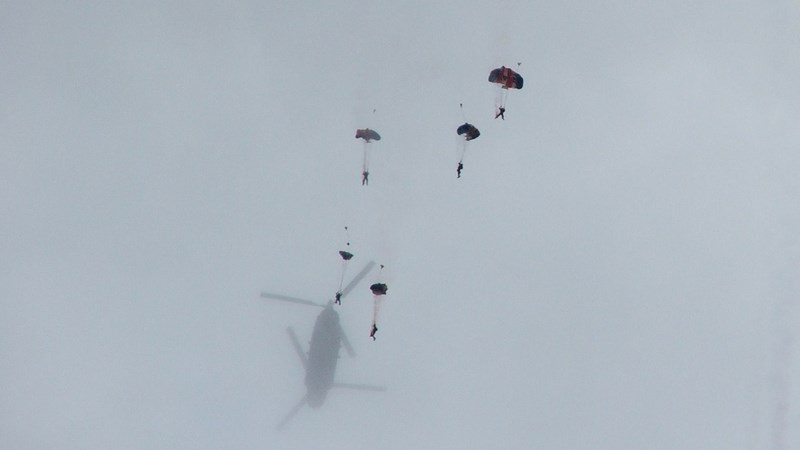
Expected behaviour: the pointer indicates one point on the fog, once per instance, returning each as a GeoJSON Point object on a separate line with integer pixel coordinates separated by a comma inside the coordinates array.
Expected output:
{"type": "Point", "coordinates": [615, 269]}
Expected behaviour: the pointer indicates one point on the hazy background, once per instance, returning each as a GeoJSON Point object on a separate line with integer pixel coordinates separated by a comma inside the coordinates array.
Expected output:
{"type": "Point", "coordinates": [616, 269]}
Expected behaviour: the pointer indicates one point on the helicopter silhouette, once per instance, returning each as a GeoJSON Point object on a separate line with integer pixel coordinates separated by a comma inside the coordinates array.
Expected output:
{"type": "Point", "coordinates": [323, 353]}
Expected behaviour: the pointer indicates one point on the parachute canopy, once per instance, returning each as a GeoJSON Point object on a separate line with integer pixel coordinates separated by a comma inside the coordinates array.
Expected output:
{"type": "Point", "coordinates": [506, 78]}
{"type": "Point", "coordinates": [345, 255]}
{"type": "Point", "coordinates": [379, 289]}
{"type": "Point", "coordinates": [468, 131]}
{"type": "Point", "coordinates": [368, 135]}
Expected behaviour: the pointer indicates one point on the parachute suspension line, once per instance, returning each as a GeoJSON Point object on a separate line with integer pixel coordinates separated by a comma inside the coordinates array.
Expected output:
{"type": "Point", "coordinates": [341, 279]}
{"type": "Point", "coordinates": [462, 150]}
{"type": "Point", "coordinates": [376, 308]}
{"type": "Point", "coordinates": [502, 97]}
{"type": "Point", "coordinates": [365, 163]}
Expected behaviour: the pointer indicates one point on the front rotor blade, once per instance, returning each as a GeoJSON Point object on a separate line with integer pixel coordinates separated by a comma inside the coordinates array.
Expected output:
{"type": "Point", "coordinates": [291, 413]}
{"type": "Point", "coordinates": [358, 278]}
{"type": "Point", "coordinates": [360, 387]}
{"type": "Point", "coordinates": [286, 298]}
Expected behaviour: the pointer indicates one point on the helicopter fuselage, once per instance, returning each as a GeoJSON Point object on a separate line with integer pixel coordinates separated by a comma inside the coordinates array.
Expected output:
{"type": "Point", "coordinates": [323, 355]}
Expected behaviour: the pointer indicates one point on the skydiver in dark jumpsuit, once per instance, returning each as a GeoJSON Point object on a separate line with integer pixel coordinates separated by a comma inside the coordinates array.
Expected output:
{"type": "Point", "coordinates": [460, 168]}
{"type": "Point", "coordinates": [365, 178]}
{"type": "Point", "coordinates": [500, 114]}
{"type": "Point", "coordinates": [374, 330]}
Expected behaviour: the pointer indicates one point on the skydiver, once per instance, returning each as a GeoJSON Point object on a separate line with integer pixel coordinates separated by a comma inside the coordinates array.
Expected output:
{"type": "Point", "coordinates": [338, 298]}
{"type": "Point", "coordinates": [460, 168]}
{"type": "Point", "coordinates": [374, 330]}
{"type": "Point", "coordinates": [365, 178]}
{"type": "Point", "coordinates": [500, 114]}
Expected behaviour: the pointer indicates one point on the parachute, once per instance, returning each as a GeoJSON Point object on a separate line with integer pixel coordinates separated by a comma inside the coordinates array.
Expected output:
{"type": "Point", "coordinates": [468, 131]}
{"type": "Point", "coordinates": [346, 256]}
{"type": "Point", "coordinates": [368, 136]}
{"type": "Point", "coordinates": [379, 289]}
{"type": "Point", "coordinates": [504, 79]}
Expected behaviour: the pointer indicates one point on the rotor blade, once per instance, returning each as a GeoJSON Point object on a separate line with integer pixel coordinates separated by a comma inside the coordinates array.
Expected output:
{"type": "Point", "coordinates": [358, 278]}
{"type": "Point", "coordinates": [360, 387]}
{"type": "Point", "coordinates": [286, 298]}
{"type": "Point", "coordinates": [292, 413]}
{"type": "Point", "coordinates": [297, 347]}
{"type": "Point", "coordinates": [346, 343]}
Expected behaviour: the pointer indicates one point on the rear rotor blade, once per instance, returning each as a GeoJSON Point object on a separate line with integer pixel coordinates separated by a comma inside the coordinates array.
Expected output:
{"type": "Point", "coordinates": [358, 278]}
{"type": "Point", "coordinates": [297, 347]}
{"type": "Point", "coordinates": [287, 298]}
{"type": "Point", "coordinates": [291, 413]}
{"type": "Point", "coordinates": [360, 387]}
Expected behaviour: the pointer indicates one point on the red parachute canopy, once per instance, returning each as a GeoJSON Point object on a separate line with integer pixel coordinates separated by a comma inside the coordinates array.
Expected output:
{"type": "Point", "coordinates": [468, 131]}
{"type": "Point", "coordinates": [368, 135]}
{"type": "Point", "coordinates": [506, 78]}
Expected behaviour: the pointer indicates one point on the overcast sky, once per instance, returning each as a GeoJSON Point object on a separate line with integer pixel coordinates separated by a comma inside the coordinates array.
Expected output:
{"type": "Point", "coordinates": [616, 269]}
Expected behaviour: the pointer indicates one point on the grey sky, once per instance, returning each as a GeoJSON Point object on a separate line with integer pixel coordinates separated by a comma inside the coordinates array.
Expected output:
{"type": "Point", "coordinates": [616, 268]}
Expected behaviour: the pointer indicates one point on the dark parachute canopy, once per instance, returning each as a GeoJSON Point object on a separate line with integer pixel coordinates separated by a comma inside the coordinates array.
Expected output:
{"type": "Point", "coordinates": [368, 135]}
{"type": "Point", "coordinates": [379, 289]}
{"type": "Point", "coordinates": [468, 131]}
{"type": "Point", "coordinates": [506, 78]}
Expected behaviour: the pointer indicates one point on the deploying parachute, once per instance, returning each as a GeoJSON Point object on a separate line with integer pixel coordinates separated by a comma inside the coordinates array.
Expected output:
{"type": "Point", "coordinates": [504, 79]}
{"type": "Point", "coordinates": [368, 136]}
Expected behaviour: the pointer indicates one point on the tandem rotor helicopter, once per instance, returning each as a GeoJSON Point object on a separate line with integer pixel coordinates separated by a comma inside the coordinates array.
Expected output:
{"type": "Point", "coordinates": [323, 353]}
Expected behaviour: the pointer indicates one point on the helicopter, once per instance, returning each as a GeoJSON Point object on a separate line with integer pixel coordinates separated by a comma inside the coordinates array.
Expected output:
{"type": "Point", "coordinates": [323, 353]}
